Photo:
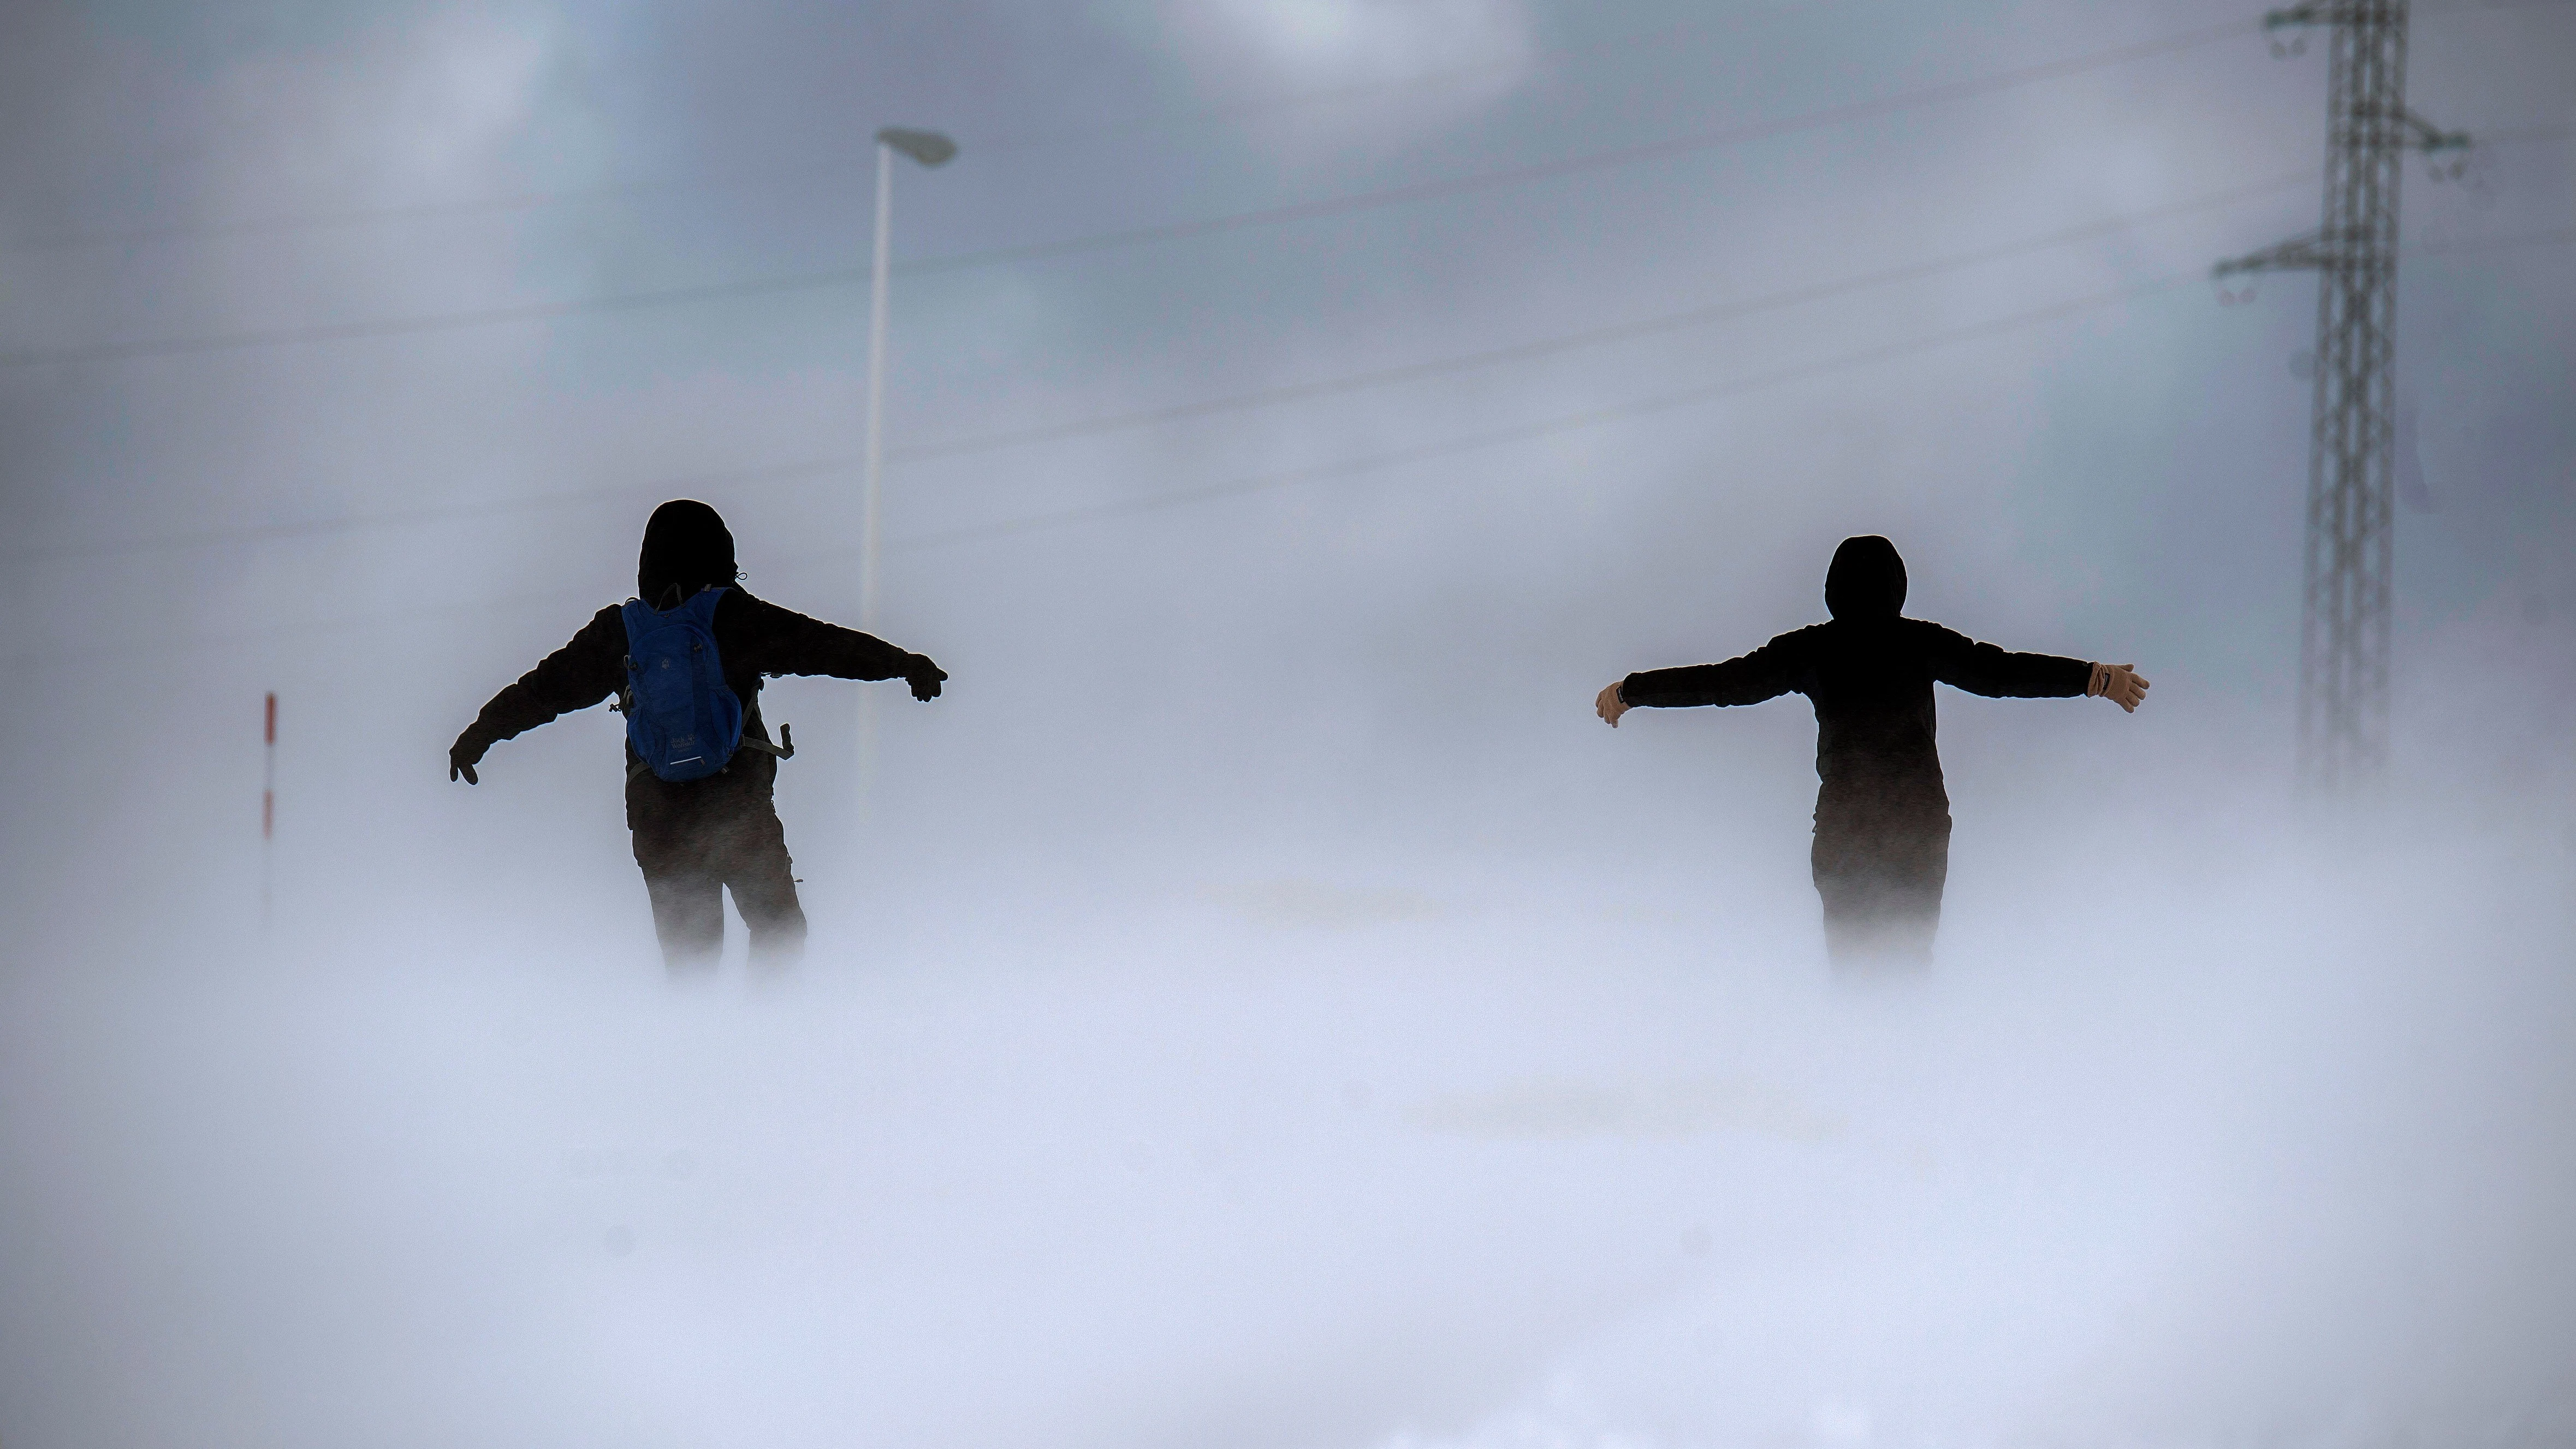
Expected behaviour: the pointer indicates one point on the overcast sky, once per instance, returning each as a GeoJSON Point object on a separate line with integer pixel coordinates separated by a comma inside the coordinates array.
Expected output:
{"type": "Point", "coordinates": [1258, 1003]}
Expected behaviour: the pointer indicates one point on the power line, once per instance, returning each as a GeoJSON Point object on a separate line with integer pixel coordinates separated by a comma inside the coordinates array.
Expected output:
{"type": "Point", "coordinates": [1600, 160]}
{"type": "Point", "coordinates": [1428, 190]}
{"type": "Point", "coordinates": [1710, 393]}
{"type": "Point", "coordinates": [1590, 337]}
{"type": "Point", "coordinates": [2491, 243]}
{"type": "Point", "coordinates": [540, 311]}
{"type": "Point", "coordinates": [418, 211]}
{"type": "Point", "coordinates": [1526, 431]}
{"type": "Point", "coordinates": [436, 322]}
{"type": "Point", "coordinates": [1325, 472]}
{"type": "Point", "coordinates": [1346, 468]}
{"type": "Point", "coordinates": [841, 277]}
{"type": "Point", "coordinates": [1691, 317]}
{"type": "Point", "coordinates": [812, 467]}
{"type": "Point", "coordinates": [1267, 216]}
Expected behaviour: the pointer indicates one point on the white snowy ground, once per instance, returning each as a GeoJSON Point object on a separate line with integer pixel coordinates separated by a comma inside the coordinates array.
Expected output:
{"type": "Point", "coordinates": [2257, 1153]}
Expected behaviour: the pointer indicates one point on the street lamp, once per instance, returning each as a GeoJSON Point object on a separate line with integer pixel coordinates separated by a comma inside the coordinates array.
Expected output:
{"type": "Point", "coordinates": [929, 148]}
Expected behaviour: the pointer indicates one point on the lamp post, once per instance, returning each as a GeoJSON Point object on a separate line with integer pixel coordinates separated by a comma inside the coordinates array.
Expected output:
{"type": "Point", "coordinates": [268, 813]}
{"type": "Point", "coordinates": [929, 149]}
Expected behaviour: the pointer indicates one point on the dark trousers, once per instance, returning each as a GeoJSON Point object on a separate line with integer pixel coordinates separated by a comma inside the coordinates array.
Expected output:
{"type": "Point", "coordinates": [1881, 881]}
{"type": "Point", "coordinates": [696, 840]}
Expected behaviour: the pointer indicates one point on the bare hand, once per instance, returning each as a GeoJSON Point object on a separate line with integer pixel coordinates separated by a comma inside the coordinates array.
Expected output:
{"type": "Point", "coordinates": [2120, 684]}
{"type": "Point", "coordinates": [1609, 705]}
{"type": "Point", "coordinates": [461, 759]}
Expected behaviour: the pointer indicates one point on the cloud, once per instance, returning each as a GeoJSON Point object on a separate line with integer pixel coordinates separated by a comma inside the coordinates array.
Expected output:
{"type": "Point", "coordinates": [1439, 60]}
{"type": "Point", "coordinates": [421, 107]}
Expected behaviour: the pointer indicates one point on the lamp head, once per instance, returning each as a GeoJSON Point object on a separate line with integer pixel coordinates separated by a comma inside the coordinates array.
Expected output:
{"type": "Point", "coordinates": [927, 147]}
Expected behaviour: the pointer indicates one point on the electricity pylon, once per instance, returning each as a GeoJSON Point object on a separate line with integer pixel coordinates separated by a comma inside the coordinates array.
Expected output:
{"type": "Point", "coordinates": [2344, 626]}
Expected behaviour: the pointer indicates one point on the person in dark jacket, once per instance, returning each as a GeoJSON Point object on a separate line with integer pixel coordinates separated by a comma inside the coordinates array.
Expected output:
{"type": "Point", "coordinates": [695, 839]}
{"type": "Point", "coordinates": [1882, 847]}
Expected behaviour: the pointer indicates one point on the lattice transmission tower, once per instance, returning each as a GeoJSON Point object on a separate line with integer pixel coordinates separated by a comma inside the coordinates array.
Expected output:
{"type": "Point", "coordinates": [2344, 626]}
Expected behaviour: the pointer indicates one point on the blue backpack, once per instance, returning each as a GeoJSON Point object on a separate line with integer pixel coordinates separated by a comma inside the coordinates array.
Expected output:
{"type": "Point", "coordinates": [682, 719]}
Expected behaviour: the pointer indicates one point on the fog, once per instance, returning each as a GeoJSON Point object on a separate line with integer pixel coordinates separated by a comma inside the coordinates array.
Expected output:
{"type": "Point", "coordinates": [1258, 1003]}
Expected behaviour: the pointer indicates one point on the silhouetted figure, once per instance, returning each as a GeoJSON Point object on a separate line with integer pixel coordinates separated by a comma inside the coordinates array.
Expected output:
{"type": "Point", "coordinates": [715, 827]}
{"type": "Point", "coordinates": [1882, 846]}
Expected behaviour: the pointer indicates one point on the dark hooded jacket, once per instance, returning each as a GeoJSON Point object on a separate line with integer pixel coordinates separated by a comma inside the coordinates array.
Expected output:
{"type": "Point", "coordinates": [1869, 674]}
{"type": "Point", "coordinates": [687, 548]}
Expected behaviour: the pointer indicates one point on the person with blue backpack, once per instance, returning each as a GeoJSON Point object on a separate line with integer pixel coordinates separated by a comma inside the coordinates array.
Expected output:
{"type": "Point", "coordinates": [685, 659]}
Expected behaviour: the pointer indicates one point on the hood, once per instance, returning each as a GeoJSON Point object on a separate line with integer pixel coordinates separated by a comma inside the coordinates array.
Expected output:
{"type": "Point", "coordinates": [1867, 580]}
{"type": "Point", "coordinates": [687, 547]}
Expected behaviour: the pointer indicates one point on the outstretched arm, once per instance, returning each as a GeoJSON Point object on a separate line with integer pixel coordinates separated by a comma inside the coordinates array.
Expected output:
{"type": "Point", "coordinates": [577, 676]}
{"type": "Point", "coordinates": [1766, 673]}
{"type": "Point", "coordinates": [782, 641]}
{"type": "Point", "coordinates": [1963, 663]}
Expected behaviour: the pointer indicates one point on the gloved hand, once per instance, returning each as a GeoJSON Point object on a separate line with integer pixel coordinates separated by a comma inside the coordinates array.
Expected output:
{"type": "Point", "coordinates": [1609, 705]}
{"type": "Point", "coordinates": [924, 677]}
{"type": "Point", "coordinates": [2118, 683]}
{"type": "Point", "coordinates": [462, 755]}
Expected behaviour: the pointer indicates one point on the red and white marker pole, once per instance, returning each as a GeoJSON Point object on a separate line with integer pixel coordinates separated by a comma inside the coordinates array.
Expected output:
{"type": "Point", "coordinates": [267, 809]}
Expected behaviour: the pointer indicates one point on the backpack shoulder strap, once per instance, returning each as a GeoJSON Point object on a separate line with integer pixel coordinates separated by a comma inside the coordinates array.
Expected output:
{"type": "Point", "coordinates": [701, 607]}
{"type": "Point", "coordinates": [638, 617]}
